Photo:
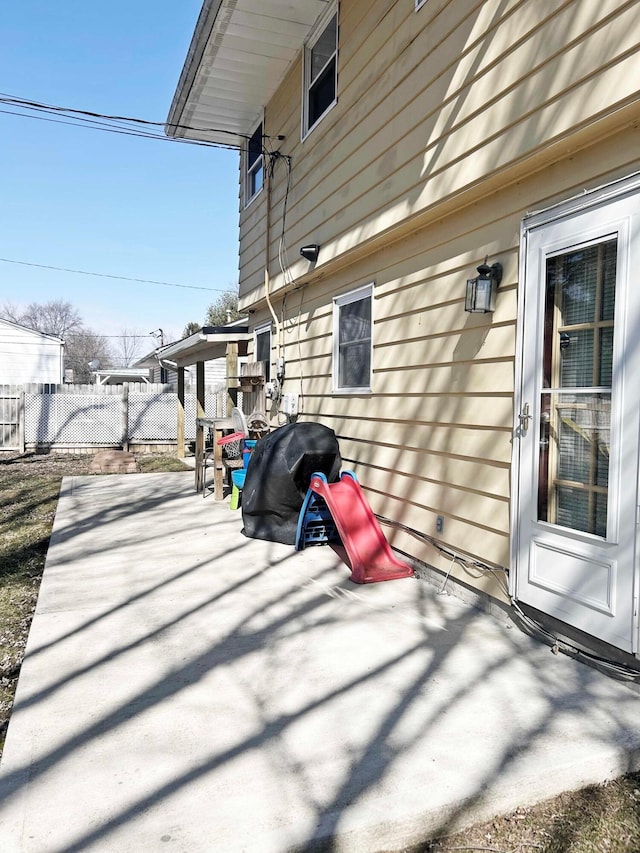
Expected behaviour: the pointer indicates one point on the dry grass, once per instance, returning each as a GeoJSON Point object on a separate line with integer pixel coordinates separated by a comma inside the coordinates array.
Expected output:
{"type": "Point", "coordinates": [598, 819]}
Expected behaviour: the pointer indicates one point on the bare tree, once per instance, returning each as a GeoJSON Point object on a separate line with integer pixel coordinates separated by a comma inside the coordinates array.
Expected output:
{"type": "Point", "coordinates": [84, 347]}
{"type": "Point", "coordinates": [57, 317]}
{"type": "Point", "coordinates": [129, 347]}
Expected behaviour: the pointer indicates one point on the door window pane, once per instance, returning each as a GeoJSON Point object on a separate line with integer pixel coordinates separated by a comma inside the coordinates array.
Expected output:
{"type": "Point", "coordinates": [579, 310]}
{"type": "Point", "coordinates": [575, 425]}
{"type": "Point", "coordinates": [609, 251]}
{"type": "Point", "coordinates": [574, 461]}
{"type": "Point", "coordinates": [576, 359]}
{"type": "Point", "coordinates": [605, 358]}
{"type": "Point", "coordinates": [576, 279]}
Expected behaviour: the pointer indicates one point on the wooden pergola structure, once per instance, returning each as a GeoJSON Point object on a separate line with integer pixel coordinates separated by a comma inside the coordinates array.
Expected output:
{"type": "Point", "coordinates": [209, 343]}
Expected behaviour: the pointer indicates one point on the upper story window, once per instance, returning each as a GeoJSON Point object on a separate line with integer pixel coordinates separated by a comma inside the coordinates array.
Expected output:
{"type": "Point", "coordinates": [352, 341]}
{"type": "Point", "coordinates": [320, 68]}
{"type": "Point", "coordinates": [254, 165]}
{"type": "Point", "coordinates": [263, 349]}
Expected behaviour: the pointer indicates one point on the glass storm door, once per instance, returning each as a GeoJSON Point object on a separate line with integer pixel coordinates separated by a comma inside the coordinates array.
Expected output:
{"type": "Point", "coordinates": [578, 423]}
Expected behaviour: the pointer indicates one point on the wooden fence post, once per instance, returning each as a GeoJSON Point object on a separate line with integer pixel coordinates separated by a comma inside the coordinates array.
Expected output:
{"type": "Point", "coordinates": [180, 438]}
{"type": "Point", "coordinates": [125, 416]}
{"type": "Point", "coordinates": [21, 434]}
{"type": "Point", "coordinates": [200, 411]}
{"type": "Point", "coordinates": [232, 377]}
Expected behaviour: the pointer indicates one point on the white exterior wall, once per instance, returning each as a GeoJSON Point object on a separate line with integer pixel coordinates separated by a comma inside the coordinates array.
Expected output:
{"type": "Point", "coordinates": [29, 356]}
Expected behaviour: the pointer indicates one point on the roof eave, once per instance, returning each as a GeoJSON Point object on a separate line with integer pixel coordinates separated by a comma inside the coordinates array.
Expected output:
{"type": "Point", "coordinates": [239, 55]}
{"type": "Point", "coordinates": [203, 346]}
{"type": "Point", "coordinates": [199, 40]}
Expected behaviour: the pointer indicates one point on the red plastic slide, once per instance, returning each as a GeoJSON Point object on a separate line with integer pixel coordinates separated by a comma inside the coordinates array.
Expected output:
{"type": "Point", "coordinates": [369, 552]}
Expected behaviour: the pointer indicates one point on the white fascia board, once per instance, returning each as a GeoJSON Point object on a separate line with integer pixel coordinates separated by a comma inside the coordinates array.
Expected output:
{"type": "Point", "coordinates": [239, 54]}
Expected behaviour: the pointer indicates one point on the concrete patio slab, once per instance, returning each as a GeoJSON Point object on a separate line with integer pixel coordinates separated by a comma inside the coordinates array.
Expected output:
{"type": "Point", "coordinates": [188, 689]}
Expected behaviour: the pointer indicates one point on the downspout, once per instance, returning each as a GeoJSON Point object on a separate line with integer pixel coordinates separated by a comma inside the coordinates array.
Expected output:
{"type": "Point", "coordinates": [164, 362]}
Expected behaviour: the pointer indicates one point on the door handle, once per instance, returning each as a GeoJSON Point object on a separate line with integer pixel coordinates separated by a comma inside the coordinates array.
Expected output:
{"type": "Point", "coordinates": [524, 417]}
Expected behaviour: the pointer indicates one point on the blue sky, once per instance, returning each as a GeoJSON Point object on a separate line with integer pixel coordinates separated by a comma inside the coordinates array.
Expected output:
{"type": "Point", "coordinates": [82, 199]}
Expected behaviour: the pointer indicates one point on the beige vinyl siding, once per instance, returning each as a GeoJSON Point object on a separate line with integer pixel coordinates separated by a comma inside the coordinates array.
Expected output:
{"type": "Point", "coordinates": [451, 124]}
{"type": "Point", "coordinates": [253, 223]}
{"type": "Point", "coordinates": [435, 436]}
{"type": "Point", "coordinates": [431, 104]}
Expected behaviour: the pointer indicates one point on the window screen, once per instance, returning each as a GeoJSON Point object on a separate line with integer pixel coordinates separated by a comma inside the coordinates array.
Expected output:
{"type": "Point", "coordinates": [352, 341]}
{"type": "Point", "coordinates": [263, 350]}
{"type": "Point", "coordinates": [255, 164]}
{"type": "Point", "coordinates": [320, 73]}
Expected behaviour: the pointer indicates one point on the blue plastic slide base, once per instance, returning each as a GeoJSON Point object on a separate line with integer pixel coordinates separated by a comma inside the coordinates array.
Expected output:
{"type": "Point", "coordinates": [315, 523]}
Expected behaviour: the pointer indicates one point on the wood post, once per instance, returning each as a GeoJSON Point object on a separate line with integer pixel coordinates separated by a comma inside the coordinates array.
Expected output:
{"type": "Point", "coordinates": [200, 470]}
{"type": "Point", "coordinates": [21, 434]}
{"type": "Point", "coordinates": [180, 430]}
{"type": "Point", "coordinates": [232, 377]}
{"type": "Point", "coordinates": [125, 416]}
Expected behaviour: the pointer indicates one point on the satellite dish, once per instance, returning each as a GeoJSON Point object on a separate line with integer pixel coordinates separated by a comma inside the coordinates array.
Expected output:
{"type": "Point", "coordinates": [94, 364]}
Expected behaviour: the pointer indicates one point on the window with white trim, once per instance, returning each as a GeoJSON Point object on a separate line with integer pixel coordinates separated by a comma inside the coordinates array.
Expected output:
{"type": "Point", "coordinates": [254, 165]}
{"type": "Point", "coordinates": [320, 69]}
{"type": "Point", "coordinates": [263, 349]}
{"type": "Point", "coordinates": [420, 3]}
{"type": "Point", "coordinates": [353, 341]}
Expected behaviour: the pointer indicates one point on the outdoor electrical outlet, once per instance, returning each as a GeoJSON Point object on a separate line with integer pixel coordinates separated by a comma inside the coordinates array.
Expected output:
{"type": "Point", "coordinates": [290, 404]}
{"type": "Point", "coordinates": [439, 523]}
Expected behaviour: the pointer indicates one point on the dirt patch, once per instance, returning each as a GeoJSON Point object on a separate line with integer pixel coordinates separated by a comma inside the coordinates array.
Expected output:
{"type": "Point", "coordinates": [50, 464]}
{"type": "Point", "coordinates": [598, 819]}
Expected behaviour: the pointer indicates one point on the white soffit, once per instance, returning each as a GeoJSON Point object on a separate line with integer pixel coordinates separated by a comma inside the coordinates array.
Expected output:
{"type": "Point", "coordinates": [203, 346]}
{"type": "Point", "coordinates": [239, 55]}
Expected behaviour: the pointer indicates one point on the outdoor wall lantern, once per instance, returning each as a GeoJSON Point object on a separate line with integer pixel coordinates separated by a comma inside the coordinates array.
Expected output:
{"type": "Point", "coordinates": [481, 291]}
{"type": "Point", "coordinates": [310, 252]}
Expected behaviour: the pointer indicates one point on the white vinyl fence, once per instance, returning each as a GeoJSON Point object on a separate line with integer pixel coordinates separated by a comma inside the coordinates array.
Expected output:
{"type": "Point", "coordinates": [10, 421]}
{"type": "Point", "coordinates": [83, 417]}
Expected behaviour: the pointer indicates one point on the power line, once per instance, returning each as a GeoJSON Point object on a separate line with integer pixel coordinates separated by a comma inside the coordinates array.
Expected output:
{"type": "Point", "coordinates": [127, 125]}
{"type": "Point", "coordinates": [28, 104]}
{"type": "Point", "coordinates": [119, 277]}
{"type": "Point", "coordinates": [123, 132]}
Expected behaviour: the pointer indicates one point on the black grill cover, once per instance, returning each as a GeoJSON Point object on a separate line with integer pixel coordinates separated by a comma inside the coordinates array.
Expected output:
{"type": "Point", "coordinates": [278, 477]}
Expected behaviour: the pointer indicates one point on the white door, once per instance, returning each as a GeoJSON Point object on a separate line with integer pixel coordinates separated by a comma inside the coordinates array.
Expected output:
{"type": "Point", "coordinates": [577, 433]}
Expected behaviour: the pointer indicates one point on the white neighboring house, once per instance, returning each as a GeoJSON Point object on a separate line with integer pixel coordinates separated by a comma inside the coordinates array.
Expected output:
{"type": "Point", "coordinates": [161, 371]}
{"type": "Point", "coordinates": [165, 372]}
{"type": "Point", "coordinates": [29, 356]}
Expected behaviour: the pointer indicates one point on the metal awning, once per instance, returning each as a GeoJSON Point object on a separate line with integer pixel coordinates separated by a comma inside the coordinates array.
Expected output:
{"type": "Point", "coordinates": [210, 342]}
{"type": "Point", "coordinates": [239, 55]}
